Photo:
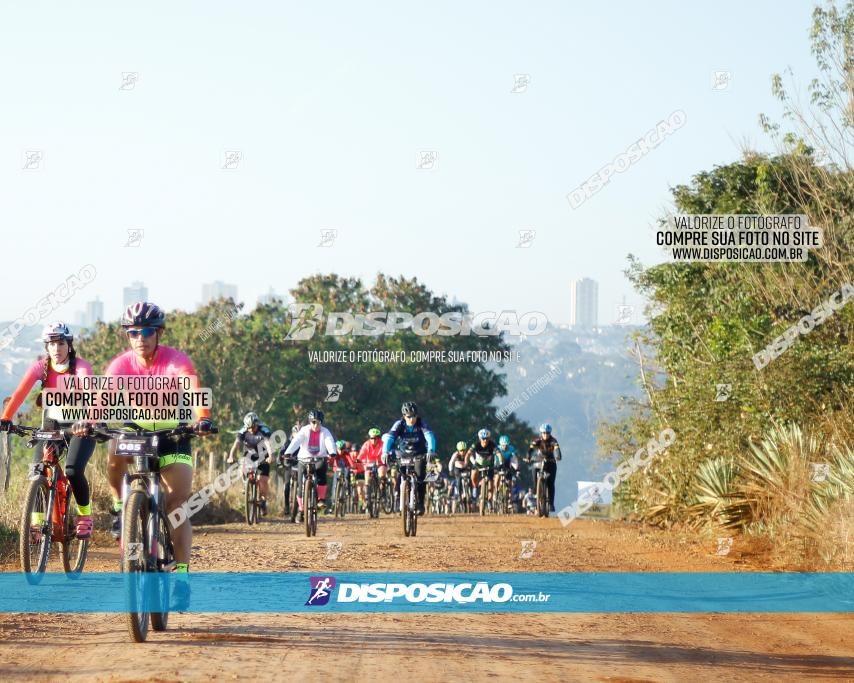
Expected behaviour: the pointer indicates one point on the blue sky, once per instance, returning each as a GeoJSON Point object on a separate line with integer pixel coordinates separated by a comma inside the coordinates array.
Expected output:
{"type": "Point", "coordinates": [329, 104]}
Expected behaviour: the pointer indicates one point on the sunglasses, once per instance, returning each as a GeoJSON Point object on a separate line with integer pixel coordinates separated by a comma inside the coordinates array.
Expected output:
{"type": "Point", "coordinates": [312, 422]}
{"type": "Point", "coordinates": [146, 332]}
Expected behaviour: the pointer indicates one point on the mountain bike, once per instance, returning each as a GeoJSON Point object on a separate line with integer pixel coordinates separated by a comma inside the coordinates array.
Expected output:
{"type": "Point", "coordinates": [353, 493]}
{"type": "Point", "coordinates": [48, 514]}
{"type": "Point", "coordinates": [389, 488]}
{"type": "Point", "coordinates": [372, 491]}
{"type": "Point", "coordinates": [342, 481]}
{"type": "Point", "coordinates": [430, 492]}
{"type": "Point", "coordinates": [146, 540]}
{"type": "Point", "coordinates": [309, 494]}
{"type": "Point", "coordinates": [466, 494]}
{"type": "Point", "coordinates": [409, 491]}
{"type": "Point", "coordinates": [291, 507]}
{"type": "Point", "coordinates": [502, 494]}
{"type": "Point", "coordinates": [541, 479]}
{"type": "Point", "coordinates": [483, 497]}
{"type": "Point", "coordinates": [250, 490]}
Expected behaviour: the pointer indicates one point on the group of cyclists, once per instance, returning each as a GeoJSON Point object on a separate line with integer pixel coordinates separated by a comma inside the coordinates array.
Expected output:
{"type": "Point", "coordinates": [144, 324]}
{"type": "Point", "coordinates": [442, 489]}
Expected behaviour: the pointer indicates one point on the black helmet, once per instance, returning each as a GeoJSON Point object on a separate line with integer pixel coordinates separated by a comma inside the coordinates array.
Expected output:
{"type": "Point", "coordinates": [143, 314]}
{"type": "Point", "coordinates": [315, 415]}
{"type": "Point", "coordinates": [409, 409]}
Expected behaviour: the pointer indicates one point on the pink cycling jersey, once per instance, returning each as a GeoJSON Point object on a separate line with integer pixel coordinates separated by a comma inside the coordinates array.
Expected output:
{"type": "Point", "coordinates": [167, 362]}
{"type": "Point", "coordinates": [34, 374]}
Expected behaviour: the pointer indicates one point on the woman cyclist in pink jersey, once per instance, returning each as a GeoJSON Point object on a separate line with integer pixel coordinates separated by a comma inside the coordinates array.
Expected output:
{"type": "Point", "coordinates": [61, 360]}
{"type": "Point", "coordinates": [144, 324]}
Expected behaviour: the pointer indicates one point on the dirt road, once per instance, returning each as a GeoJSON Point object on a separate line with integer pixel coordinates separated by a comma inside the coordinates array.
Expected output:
{"type": "Point", "coordinates": [348, 647]}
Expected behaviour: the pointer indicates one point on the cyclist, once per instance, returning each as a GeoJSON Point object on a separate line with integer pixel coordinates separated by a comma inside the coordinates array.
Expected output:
{"type": "Point", "coordinates": [252, 441]}
{"type": "Point", "coordinates": [529, 502]}
{"type": "Point", "coordinates": [506, 461]}
{"type": "Point", "coordinates": [414, 433]}
{"type": "Point", "coordinates": [341, 465]}
{"type": "Point", "coordinates": [459, 466]}
{"type": "Point", "coordinates": [548, 446]}
{"type": "Point", "coordinates": [61, 360]}
{"type": "Point", "coordinates": [370, 455]}
{"type": "Point", "coordinates": [482, 454]}
{"type": "Point", "coordinates": [313, 440]}
{"type": "Point", "coordinates": [144, 324]}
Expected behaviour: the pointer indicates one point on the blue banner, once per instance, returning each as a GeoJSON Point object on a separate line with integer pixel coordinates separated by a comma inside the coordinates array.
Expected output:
{"type": "Point", "coordinates": [430, 592]}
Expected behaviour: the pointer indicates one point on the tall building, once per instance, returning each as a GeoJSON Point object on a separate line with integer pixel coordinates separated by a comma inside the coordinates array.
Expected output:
{"type": "Point", "coordinates": [218, 290]}
{"type": "Point", "coordinates": [584, 303]}
{"type": "Point", "coordinates": [94, 312]}
{"type": "Point", "coordinates": [136, 292]}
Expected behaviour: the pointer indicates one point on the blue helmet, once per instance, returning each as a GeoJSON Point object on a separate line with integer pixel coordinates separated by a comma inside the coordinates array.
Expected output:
{"type": "Point", "coordinates": [483, 434]}
{"type": "Point", "coordinates": [545, 428]}
{"type": "Point", "coordinates": [504, 440]}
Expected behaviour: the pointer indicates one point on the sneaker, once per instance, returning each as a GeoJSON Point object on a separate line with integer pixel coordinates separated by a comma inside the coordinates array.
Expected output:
{"type": "Point", "coordinates": [84, 526]}
{"type": "Point", "coordinates": [551, 507]}
{"type": "Point", "coordinates": [116, 528]}
{"type": "Point", "coordinates": [300, 517]}
{"type": "Point", "coordinates": [419, 508]}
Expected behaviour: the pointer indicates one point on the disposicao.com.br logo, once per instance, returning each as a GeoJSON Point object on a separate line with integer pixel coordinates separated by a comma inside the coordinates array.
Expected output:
{"type": "Point", "coordinates": [463, 593]}
{"type": "Point", "coordinates": [306, 319]}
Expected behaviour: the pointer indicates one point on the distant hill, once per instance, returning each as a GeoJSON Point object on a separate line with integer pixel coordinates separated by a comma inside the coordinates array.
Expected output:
{"type": "Point", "coordinates": [595, 371]}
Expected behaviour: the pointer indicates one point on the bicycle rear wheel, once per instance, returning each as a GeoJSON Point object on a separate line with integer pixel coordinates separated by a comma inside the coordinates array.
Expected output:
{"type": "Point", "coordinates": [134, 560]}
{"type": "Point", "coordinates": [484, 492]}
{"type": "Point", "coordinates": [35, 531]}
{"type": "Point", "coordinates": [165, 563]}
{"type": "Point", "coordinates": [74, 550]}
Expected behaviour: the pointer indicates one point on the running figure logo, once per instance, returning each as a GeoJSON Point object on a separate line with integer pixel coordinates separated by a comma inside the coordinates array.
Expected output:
{"type": "Point", "coordinates": [321, 590]}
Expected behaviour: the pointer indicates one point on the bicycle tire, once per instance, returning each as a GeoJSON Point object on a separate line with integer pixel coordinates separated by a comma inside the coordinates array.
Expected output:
{"type": "Point", "coordinates": [38, 496]}
{"type": "Point", "coordinates": [387, 497]}
{"type": "Point", "coordinates": [249, 499]}
{"type": "Point", "coordinates": [165, 558]}
{"type": "Point", "coordinates": [413, 515]}
{"type": "Point", "coordinates": [135, 558]}
{"type": "Point", "coordinates": [294, 504]}
{"type": "Point", "coordinates": [484, 492]}
{"type": "Point", "coordinates": [313, 508]}
{"type": "Point", "coordinates": [542, 511]}
{"type": "Point", "coordinates": [74, 550]}
{"type": "Point", "coordinates": [404, 505]}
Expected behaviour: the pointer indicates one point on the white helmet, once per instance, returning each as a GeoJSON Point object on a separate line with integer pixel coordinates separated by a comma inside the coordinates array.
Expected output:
{"type": "Point", "coordinates": [250, 419]}
{"type": "Point", "coordinates": [56, 331]}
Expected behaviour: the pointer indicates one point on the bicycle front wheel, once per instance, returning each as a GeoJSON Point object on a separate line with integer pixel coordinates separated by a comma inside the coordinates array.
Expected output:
{"type": "Point", "coordinates": [293, 501]}
{"type": "Point", "coordinates": [74, 550]}
{"type": "Point", "coordinates": [251, 495]}
{"type": "Point", "coordinates": [404, 506]}
{"type": "Point", "coordinates": [35, 530]}
{"type": "Point", "coordinates": [134, 561]}
{"type": "Point", "coordinates": [165, 563]}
